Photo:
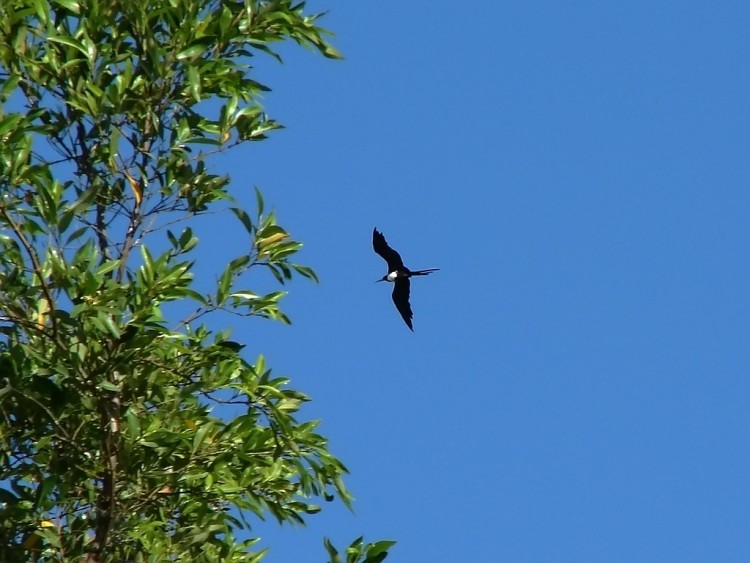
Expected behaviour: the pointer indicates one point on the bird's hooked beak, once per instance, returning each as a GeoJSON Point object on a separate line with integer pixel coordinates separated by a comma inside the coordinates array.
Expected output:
{"type": "Point", "coordinates": [381, 279]}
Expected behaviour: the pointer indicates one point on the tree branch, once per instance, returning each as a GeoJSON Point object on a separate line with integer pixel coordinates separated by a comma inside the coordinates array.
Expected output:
{"type": "Point", "coordinates": [36, 264]}
{"type": "Point", "coordinates": [109, 407]}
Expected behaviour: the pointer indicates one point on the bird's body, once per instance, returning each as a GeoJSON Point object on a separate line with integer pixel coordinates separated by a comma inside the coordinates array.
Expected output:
{"type": "Point", "coordinates": [399, 275]}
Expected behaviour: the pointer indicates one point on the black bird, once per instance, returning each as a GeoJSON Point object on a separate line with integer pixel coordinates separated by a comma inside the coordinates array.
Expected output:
{"type": "Point", "coordinates": [398, 274]}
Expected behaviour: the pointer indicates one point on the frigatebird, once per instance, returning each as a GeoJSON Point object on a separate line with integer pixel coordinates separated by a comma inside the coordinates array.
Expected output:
{"type": "Point", "coordinates": [398, 274]}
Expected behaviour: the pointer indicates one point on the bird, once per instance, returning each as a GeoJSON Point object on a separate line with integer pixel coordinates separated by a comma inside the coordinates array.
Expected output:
{"type": "Point", "coordinates": [398, 275]}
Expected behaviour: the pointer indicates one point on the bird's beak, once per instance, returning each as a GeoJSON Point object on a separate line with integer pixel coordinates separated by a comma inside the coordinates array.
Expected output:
{"type": "Point", "coordinates": [381, 279]}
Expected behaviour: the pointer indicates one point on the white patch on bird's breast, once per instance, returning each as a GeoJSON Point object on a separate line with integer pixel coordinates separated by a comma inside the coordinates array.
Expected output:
{"type": "Point", "coordinates": [392, 276]}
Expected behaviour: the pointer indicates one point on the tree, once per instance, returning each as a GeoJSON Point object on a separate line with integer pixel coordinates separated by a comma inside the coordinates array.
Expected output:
{"type": "Point", "coordinates": [109, 450]}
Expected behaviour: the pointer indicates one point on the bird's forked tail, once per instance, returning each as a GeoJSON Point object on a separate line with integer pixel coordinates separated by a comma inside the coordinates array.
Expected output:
{"type": "Point", "coordinates": [424, 272]}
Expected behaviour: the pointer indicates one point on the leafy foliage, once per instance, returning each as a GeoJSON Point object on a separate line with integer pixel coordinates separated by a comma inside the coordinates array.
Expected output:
{"type": "Point", "coordinates": [109, 448]}
{"type": "Point", "coordinates": [359, 552]}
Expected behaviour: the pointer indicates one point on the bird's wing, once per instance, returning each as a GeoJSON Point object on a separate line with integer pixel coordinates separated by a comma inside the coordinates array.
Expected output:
{"type": "Point", "coordinates": [401, 299]}
{"type": "Point", "coordinates": [386, 252]}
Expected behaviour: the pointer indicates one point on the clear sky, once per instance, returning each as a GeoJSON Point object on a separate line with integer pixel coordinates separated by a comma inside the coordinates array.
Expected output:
{"type": "Point", "coordinates": [577, 388]}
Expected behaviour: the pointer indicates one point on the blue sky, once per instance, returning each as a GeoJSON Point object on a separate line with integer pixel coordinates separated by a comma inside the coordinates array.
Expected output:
{"type": "Point", "coordinates": [576, 388]}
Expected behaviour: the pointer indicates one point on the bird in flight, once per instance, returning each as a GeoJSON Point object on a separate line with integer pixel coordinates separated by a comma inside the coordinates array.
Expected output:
{"type": "Point", "coordinates": [398, 274]}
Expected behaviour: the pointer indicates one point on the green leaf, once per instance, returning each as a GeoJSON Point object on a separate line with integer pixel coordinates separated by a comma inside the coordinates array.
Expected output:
{"type": "Point", "coordinates": [244, 218]}
{"type": "Point", "coordinates": [148, 263]}
{"type": "Point", "coordinates": [109, 386]}
{"type": "Point", "coordinates": [75, 235]}
{"type": "Point", "coordinates": [259, 201]}
{"type": "Point", "coordinates": [194, 80]}
{"type": "Point", "coordinates": [9, 122]}
{"type": "Point", "coordinates": [379, 548]}
{"type": "Point", "coordinates": [332, 53]}
{"type": "Point", "coordinates": [10, 84]}
{"type": "Point", "coordinates": [194, 50]}
{"type": "Point", "coordinates": [134, 424]}
{"type": "Point", "coordinates": [70, 42]}
{"type": "Point", "coordinates": [71, 5]}
{"type": "Point", "coordinates": [238, 264]}
{"type": "Point", "coordinates": [173, 239]}
{"type": "Point", "coordinates": [45, 490]}
{"type": "Point", "coordinates": [224, 285]}
{"type": "Point", "coordinates": [84, 200]}
{"type": "Point", "coordinates": [199, 436]}
{"type": "Point", "coordinates": [109, 324]}
{"type": "Point", "coordinates": [85, 255]}
{"type": "Point", "coordinates": [270, 230]}
{"type": "Point", "coordinates": [65, 219]}
{"type": "Point", "coordinates": [306, 272]}
{"type": "Point", "coordinates": [187, 240]}
{"type": "Point", "coordinates": [107, 267]}
{"type": "Point", "coordinates": [332, 553]}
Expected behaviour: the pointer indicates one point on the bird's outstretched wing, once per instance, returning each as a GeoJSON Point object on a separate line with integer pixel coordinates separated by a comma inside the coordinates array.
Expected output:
{"type": "Point", "coordinates": [387, 253]}
{"type": "Point", "coordinates": [401, 299]}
